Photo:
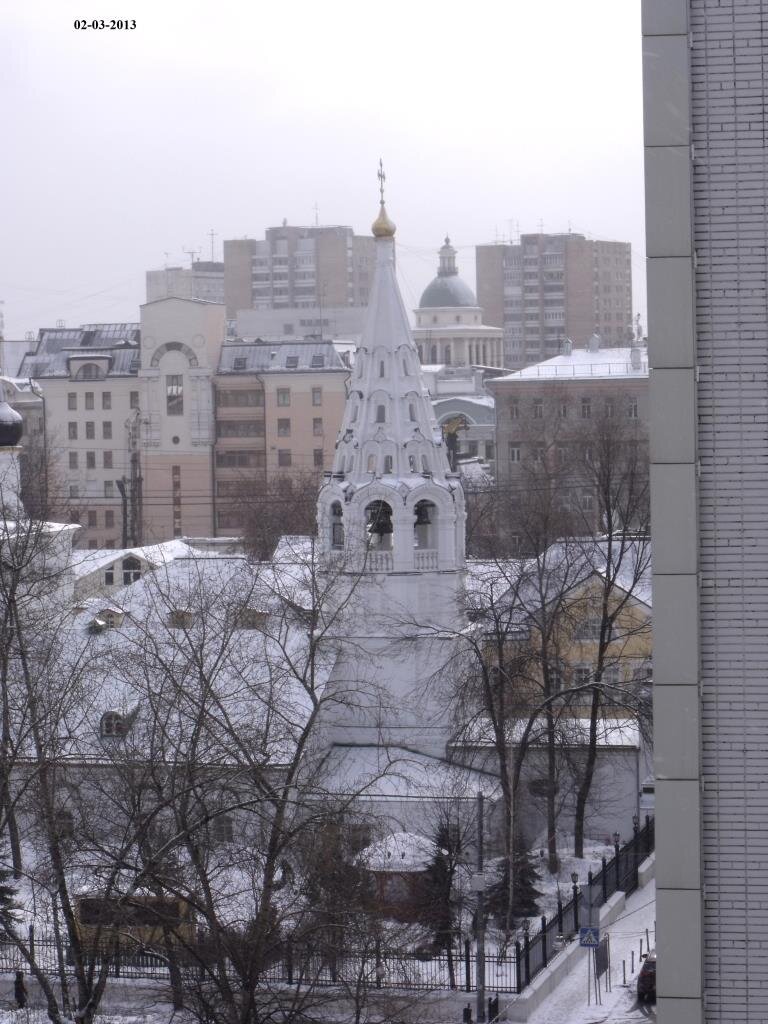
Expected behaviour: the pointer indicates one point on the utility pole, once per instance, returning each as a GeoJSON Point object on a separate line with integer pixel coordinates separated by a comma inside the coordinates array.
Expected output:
{"type": "Point", "coordinates": [212, 233]}
{"type": "Point", "coordinates": [124, 507]}
{"type": "Point", "coordinates": [480, 960]}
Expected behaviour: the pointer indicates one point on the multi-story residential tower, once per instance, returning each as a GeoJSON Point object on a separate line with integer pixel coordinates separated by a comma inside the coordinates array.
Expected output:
{"type": "Point", "coordinates": [549, 288]}
{"type": "Point", "coordinates": [299, 267]}
{"type": "Point", "coordinates": [203, 280]}
{"type": "Point", "coordinates": [706, 93]}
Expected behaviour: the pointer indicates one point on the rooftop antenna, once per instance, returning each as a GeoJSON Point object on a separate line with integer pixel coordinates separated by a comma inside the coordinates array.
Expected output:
{"type": "Point", "coordinates": [316, 208]}
{"type": "Point", "coordinates": [166, 254]}
{"type": "Point", "coordinates": [212, 233]}
{"type": "Point", "coordinates": [191, 253]}
{"type": "Point", "coordinates": [541, 226]}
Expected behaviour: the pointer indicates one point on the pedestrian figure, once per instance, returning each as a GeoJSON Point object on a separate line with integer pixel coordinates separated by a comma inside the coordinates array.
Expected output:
{"type": "Point", "coordinates": [20, 990]}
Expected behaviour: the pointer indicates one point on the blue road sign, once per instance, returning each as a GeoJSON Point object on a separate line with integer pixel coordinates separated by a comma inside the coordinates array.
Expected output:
{"type": "Point", "coordinates": [589, 937]}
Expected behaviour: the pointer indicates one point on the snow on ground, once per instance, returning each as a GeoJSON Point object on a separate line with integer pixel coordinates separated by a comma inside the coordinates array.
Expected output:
{"type": "Point", "coordinates": [568, 1003]}
{"type": "Point", "coordinates": [594, 851]}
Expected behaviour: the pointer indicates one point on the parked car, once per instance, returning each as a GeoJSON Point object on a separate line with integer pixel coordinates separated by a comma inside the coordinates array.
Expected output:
{"type": "Point", "coordinates": [646, 979]}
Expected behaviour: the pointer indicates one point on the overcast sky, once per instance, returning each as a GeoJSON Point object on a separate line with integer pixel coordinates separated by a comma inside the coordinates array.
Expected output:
{"type": "Point", "coordinates": [120, 147]}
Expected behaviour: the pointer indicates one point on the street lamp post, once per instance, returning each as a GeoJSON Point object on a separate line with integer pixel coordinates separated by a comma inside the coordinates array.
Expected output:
{"type": "Point", "coordinates": [635, 844]}
{"type": "Point", "coordinates": [527, 950]}
{"type": "Point", "coordinates": [575, 881]}
{"type": "Point", "coordinates": [616, 841]}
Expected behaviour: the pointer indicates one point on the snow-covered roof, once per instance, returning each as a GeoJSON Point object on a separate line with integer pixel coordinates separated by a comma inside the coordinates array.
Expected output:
{"type": "Point", "coordinates": [621, 733]}
{"type": "Point", "coordinates": [584, 363]}
{"type": "Point", "coordinates": [85, 562]}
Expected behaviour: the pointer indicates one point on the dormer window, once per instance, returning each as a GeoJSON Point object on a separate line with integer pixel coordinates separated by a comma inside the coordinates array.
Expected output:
{"type": "Point", "coordinates": [238, 363]}
{"type": "Point", "coordinates": [90, 371]}
{"type": "Point", "coordinates": [131, 570]}
{"type": "Point", "coordinates": [112, 724]}
{"type": "Point", "coordinates": [291, 362]}
{"type": "Point", "coordinates": [178, 618]}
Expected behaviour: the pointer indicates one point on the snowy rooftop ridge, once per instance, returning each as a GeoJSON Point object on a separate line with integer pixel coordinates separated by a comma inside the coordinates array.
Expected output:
{"type": "Point", "coordinates": [584, 362]}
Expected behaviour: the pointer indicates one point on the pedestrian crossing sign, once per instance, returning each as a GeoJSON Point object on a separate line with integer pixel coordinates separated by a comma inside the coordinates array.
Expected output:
{"type": "Point", "coordinates": [589, 937]}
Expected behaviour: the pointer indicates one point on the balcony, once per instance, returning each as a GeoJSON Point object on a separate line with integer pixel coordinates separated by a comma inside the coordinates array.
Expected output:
{"type": "Point", "coordinates": [424, 559]}
{"type": "Point", "coordinates": [379, 561]}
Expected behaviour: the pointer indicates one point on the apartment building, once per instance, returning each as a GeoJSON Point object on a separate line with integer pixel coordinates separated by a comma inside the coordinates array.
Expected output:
{"type": "Point", "coordinates": [549, 416]}
{"type": "Point", "coordinates": [298, 267]}
{"type": "Point", "coordinates": [204, 279]}
{"type": "Point", "coordinates": [151, 423]}
{"type": "Point", "coordinates": [553, 287]}
{"type": "Point", "coordinates": [278, 412]}
{"type": "Point", "coordinates": [705, 97]}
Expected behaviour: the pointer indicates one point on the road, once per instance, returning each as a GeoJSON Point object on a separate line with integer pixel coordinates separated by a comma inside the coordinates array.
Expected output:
{"type": "Point", "coordinates": [568, 1004]}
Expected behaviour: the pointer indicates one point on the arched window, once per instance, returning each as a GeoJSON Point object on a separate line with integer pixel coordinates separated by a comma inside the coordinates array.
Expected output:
{"type": "Point", "coordinates": [412, 412]}
{"type": "Point", "coordinates": [387, 463]}
{"type": "Point", "coordinates": [433, 354]}
{"type": "Point", "coordinates": [424, 535]}
{"type": "Point", "coordinates": [112, 724]}
{"type": "Point", "coordinates": [337, 526]}
{"type": "Point", "coordinates": [381, 414]}
{"type": "Point", "coordinates": [447, 355]}
{"type": "Point", "coordinates": [131, 570]}
{"type": "Point", "coordinates": [371, 463]}
{"type": "Point", "coordinates": [381, 368]}
{"type": "Point", "coordinates": [405, 367]}
{"type": "Point", "coordinates": [222, 829]}
{"type": "Point", "coordinates": [379, 525]}
{"type": "Point", "coordinates": [424, 464]}
{"type": "Point", "coordinates": [412, 463]}
{"type": "Point", "coordinates": [353, 417]}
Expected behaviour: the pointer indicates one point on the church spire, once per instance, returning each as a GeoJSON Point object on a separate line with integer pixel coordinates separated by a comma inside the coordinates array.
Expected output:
{"type": "Point", "coordinates": [390, 456]}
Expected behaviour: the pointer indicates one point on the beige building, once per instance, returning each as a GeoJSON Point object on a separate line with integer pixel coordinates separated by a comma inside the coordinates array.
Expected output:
{"type": "Point", "coordinates": [300, 267]}
{"type": "Point", "coordinates": [549, 288]}
{"type": "Point", "coordinates": [152, 423]}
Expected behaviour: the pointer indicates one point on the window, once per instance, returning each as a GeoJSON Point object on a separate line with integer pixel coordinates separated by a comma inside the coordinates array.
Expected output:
{"type": "Point", "coordinates": [582, 675]}
{"type": "Point", "coordinates": [371, 464]}
{"type": "Point", "coordinates": [283, 396]}
{"type": "Point", "coordinates": [73, 460]}
{"type": "Point", "coordinates": [89, 400]}
{"type": "Point", "coordinates": [131, 570]}
{"type": "Point", "coordinates": [609, 408]}
{"type": "Point", "coordinates": [284, 457]}
{"type": "Point", "coordinates": [72, 400]}
{"type": "Point", "coordinates": [387, 463]}
{"type": "Point", "coordinates": [109, 543]}
{"type": "Point", "coordinates": [106, 430]}
{"type": "Point", "coordinates": [379, 525]}
{"type": "Point", "coordinates": [514, 452]}
{"type": "Point", "coordinates": [180, 619]}
{"type": "Point", "coordinates": [221, 829]}
{"type": "Point", "coordinates": [337, 526]}
{"type": "Point", "coordinates": [539, 454]}
{"type": "Point", "coordinates": [632, 409]}
{"type": "Point", "coordinates": [588, 629]}
{"type": "Point", "coordinates": [538, 408]}
{"type": "Point", "coordinates": [240, 460]}
{"type": "Point", "coordinates": [174, 394]}
{"type": "Point", "coordinates": [514, 410]}
{"type": "Point", "coordinates": [64, 824]}
{"type": "Point", "coordinates": [90, 460]}
{"type": "Point", "coordinates": [381, 414]}
{"type": "Point", "coordinates": [90, 431]}
{"type": "Point", "coordinates": [317, 457]}
{"type": "Point", "coordinates": [317, 426]}
{"type": "Point", "coordinates": [412, 412]}
{"type": "Point", "coordinates": [72, 431]}
{"type": "Point", "coordinates": [112, 724]}
{"type": "Point", "coordinates": [109, 576]}
{"type": "Point", "coordinates": [251, 397]}
{"type": "Point", "coordinates": [91, 519]}
{"type": "Point", "coordinates": [317, 396]}
{"type": "Point", "coordinates": [238, 363]}
{"type": "Point", "coordinates": [291, 362]}
{"type": "Point", "coordinates": [93, 545]}
{"type": "Point", "coordinates": [318, 361]}
{"type": "Point", "coordinates": [109, 489]}
{"type": "Point", "coordinates": [107, 459]}
{"type": "Point", "coordinates": [284, 428]}
{"type": "Point", "coordinates": [106, 399]}
{"type": "Point", "coordinates": [586, 408]}
{"type": "Point", "coordinates": [250, 618]}
{"type": "Point", "coordinates": [490, 450]}
{"type": "Point", "coordinates": [133, 400]}
{"type": "Point", "coordinates": [239, 428]}
{"type": "Point", "coordinates": [73, 491]}
{"type": "Point", "coordinates": [109, 518]}
{"type": "Point", "coordinates": [562, 410]}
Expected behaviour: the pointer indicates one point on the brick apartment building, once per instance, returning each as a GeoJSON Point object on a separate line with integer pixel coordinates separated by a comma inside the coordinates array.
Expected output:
{"type": "Point", "coordinates": [553, 287]}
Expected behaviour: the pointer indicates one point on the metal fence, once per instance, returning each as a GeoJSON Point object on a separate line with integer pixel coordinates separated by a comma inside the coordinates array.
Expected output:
{"type": "Point", "coordinates": [387, 969]}
{"type": "Point", "coordinates": [619, 874]}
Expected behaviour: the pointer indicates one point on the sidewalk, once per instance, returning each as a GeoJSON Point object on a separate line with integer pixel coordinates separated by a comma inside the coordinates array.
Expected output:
{"type": "Point", "coordinates": [568, 1003]}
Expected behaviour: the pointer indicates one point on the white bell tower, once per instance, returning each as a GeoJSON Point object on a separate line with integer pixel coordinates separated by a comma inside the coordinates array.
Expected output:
{"type": "Point", "coordinates": [391, 513]}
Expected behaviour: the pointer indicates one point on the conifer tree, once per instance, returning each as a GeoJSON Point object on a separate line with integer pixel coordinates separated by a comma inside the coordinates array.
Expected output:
{"type": "Point", "coordinates": [8, 904]}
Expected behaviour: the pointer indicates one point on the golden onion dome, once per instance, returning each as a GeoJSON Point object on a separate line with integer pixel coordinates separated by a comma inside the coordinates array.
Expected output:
{"type": "Point", "coordinates": [383, 227]}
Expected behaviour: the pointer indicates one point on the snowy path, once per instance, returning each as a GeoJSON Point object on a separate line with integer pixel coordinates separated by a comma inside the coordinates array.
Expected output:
{"type": "Point", "coordinates": [568, 1004]}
